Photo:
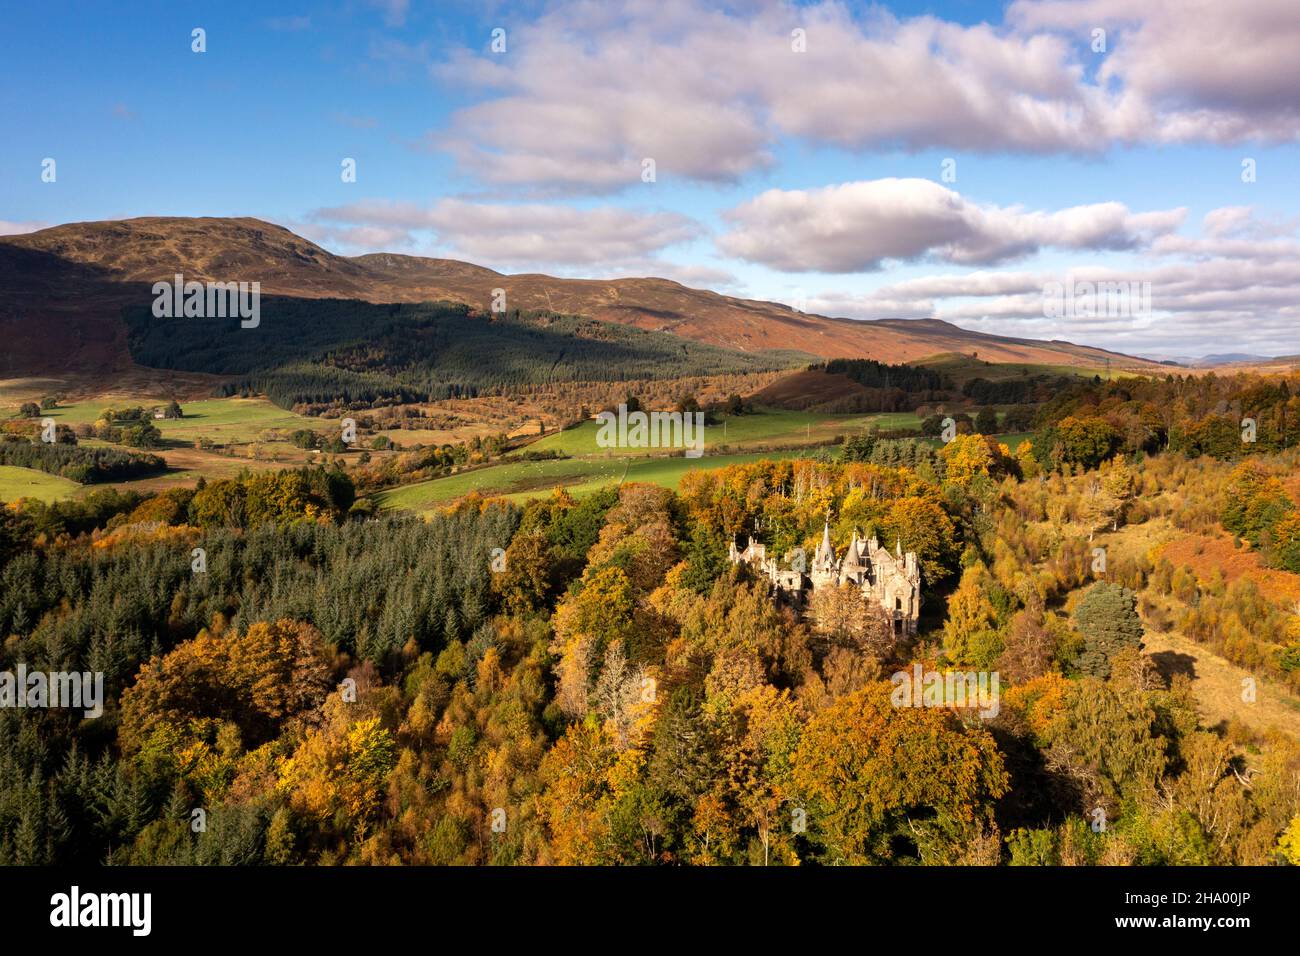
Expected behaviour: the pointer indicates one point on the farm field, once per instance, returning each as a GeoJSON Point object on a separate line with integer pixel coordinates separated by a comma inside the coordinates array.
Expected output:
{"type": "Point", "coordinates": [764, 428]}
{"type": "Point", "coordinates": [590, 467]}
{"type": "Point", "coordinates": [223, 420]}
{"type": "Point", "coordinates": [519, 481]}
{"type": "Point", "coordinates": [1010, 439]}
{"type": "Point", "coordinates": [18, 483]}
{"type": "Point", "coordinates": [239, 424]}
{"type": "Point", "coordinates": [469, 418]}
{"type": "Point", "coordinates": [409, 437]}
{"type": "Point", "coordinates": [244, 426]}
{"type": "Point", "coordinates": [186, 464]}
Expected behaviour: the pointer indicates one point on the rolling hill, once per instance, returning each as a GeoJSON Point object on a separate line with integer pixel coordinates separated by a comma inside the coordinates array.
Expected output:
{"type": "Point", "coordinates": [322, 350]}
{"type": "Point", "coordinates": [63, 290]}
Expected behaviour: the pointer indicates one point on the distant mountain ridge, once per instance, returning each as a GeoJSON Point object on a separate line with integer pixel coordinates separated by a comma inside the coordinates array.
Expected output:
{"type": "Point", "coordinates": [1236, 360]}
{"type": "Point", "coordinates": [62, 290]}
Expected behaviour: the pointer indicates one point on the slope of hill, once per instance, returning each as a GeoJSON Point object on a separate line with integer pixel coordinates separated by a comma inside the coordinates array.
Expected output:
{"type": "Point", "coordinates": [62, 290]}
{"type": "Point", "coordinates": [319, 350]}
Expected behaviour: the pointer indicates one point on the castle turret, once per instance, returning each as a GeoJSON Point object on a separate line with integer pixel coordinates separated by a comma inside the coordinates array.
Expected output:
{"type": "Point", "coordinates": [852, 568]}
{"type": "Point", "coordinates": [824, 566]}
{"type": "Point", "coordinates": [824, 550]}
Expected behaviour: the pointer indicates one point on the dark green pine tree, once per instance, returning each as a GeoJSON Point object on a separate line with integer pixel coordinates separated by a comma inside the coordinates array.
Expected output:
{"type": "Point", "coordinates": [1107, 618]}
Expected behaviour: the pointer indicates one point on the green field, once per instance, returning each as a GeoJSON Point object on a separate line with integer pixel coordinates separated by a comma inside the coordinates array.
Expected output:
{"type": "Point", "coordinates": [591, 467]}
{"type": "Point", "coordinates": [224, 420]}
{"type": "Point", "coordinates": [742, 438]}
{"type": "Point", "coordinates": [519, 481]}
{"type": "Point", "coordinates": [18, 483]}
{"type": "Point", "coordinates": [769, 427]}
{"type": "Point", "coordinates": [1012, 439]}
{"type": "Point", "coordinates": [768, 432]}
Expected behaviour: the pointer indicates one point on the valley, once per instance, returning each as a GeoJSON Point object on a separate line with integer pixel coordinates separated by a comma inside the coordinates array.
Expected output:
{"type": "Point", "coordinates": [390, 483]}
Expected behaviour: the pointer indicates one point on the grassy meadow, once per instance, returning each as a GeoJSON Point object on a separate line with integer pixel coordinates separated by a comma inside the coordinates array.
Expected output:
{"type": "Point", "coordinates": [519, 481]}
{"type": "Point", "coordinates": [226, 421]}
{"type": "Point", "coordinates": [252, 432]}
{"type": "Point", "coordinates": [18, 483]}
{"type": "Point", "coordinates": [763, 428]}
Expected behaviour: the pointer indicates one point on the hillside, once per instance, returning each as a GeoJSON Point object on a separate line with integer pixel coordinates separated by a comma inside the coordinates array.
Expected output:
{"type": "Point", "coordinates": [62, 291]}
{"type": "Point", "coordinates": [320, 350]}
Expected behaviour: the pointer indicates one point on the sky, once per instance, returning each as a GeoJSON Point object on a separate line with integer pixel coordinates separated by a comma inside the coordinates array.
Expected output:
{"type": "Point", "coordinates": [957, 160]}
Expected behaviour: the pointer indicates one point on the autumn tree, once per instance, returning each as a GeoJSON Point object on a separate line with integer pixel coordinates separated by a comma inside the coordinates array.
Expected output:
{"type": "Point", "coordinates": [576, 795]}
{"type": "Point", "coordinates": [919, 523]}
{"type": "Point", "coordinates": [527, 581]}
{"type": "Point", "coordinates": [624, 695]}
{"type": "Point", "coordinates": [1086, 440]}
{"type": "Point", "coordinates": [585, 625]}
{"type": "Point", "coordinates": [875, 776]}
{"type": "Point", "coordinates": [258, 680]}
{"type": "Point", "coordinates": [759, 761]}
{"type": "Point", "coordinates": [967, 457]}
{"type": "Point", "coordinates": [638, 537]}
{"type": "Point", "coordinates": [1108, 744]}
{"type": "Point", "coordinates": [1108, 497]}
{"type": "Point", "coordinates": [337, 774]}
{"type": "Point", "coordinates": [853, 626]}
{"type": "Point", "coordinates": [1027, 648]}
{"type": "Point", "coordinates": [970, 633]}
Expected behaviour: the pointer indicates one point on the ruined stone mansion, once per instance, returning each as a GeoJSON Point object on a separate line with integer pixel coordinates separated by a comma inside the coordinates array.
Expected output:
{"type": "Point", "coordinates": [892, 581]}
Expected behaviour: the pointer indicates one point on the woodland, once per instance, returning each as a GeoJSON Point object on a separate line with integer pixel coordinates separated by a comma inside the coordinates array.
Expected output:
{"type": "Point", "coordinates": [589, 681]}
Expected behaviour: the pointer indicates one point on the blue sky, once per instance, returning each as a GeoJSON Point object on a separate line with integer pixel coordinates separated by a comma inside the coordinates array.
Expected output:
{"type": "Point", "coordinates": [812, 176]}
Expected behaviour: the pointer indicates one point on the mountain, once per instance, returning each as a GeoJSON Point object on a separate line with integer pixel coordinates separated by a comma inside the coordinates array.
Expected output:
{"type": "Point", "coordinates": [62, 291]}
{"type": "Point", "coordinates": [1212, 361]}
{"type": "Point", "coordinates": [1232, 358]}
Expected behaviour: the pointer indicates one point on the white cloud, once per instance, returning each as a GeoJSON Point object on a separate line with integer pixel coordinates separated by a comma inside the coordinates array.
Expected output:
{"type": "Point", "coordinates": [1214, 305]}
{"type": "Point", "coordinates": [1190, 71]}
{"type": "Point", "coordinates": [513, 235]}
{"type": "Point", "coordinates": [693, 275]}
{"type": "Point", "coordinates": [590, 89]}
{"type": "Point", "coordinates": [357, 238]}
{"type": "Point", "coordinates": [1235, 232]}
{"type": "Point", "coordinates": [855, 227]}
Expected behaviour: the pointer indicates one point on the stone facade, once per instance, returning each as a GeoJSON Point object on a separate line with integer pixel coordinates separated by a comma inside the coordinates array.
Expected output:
{"type": "Point", "coordinates": [891, 580]}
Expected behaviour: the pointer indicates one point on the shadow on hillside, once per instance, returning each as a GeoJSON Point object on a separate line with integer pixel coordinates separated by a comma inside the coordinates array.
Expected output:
{"type": "Point", "coordinates": [1171, 663]}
